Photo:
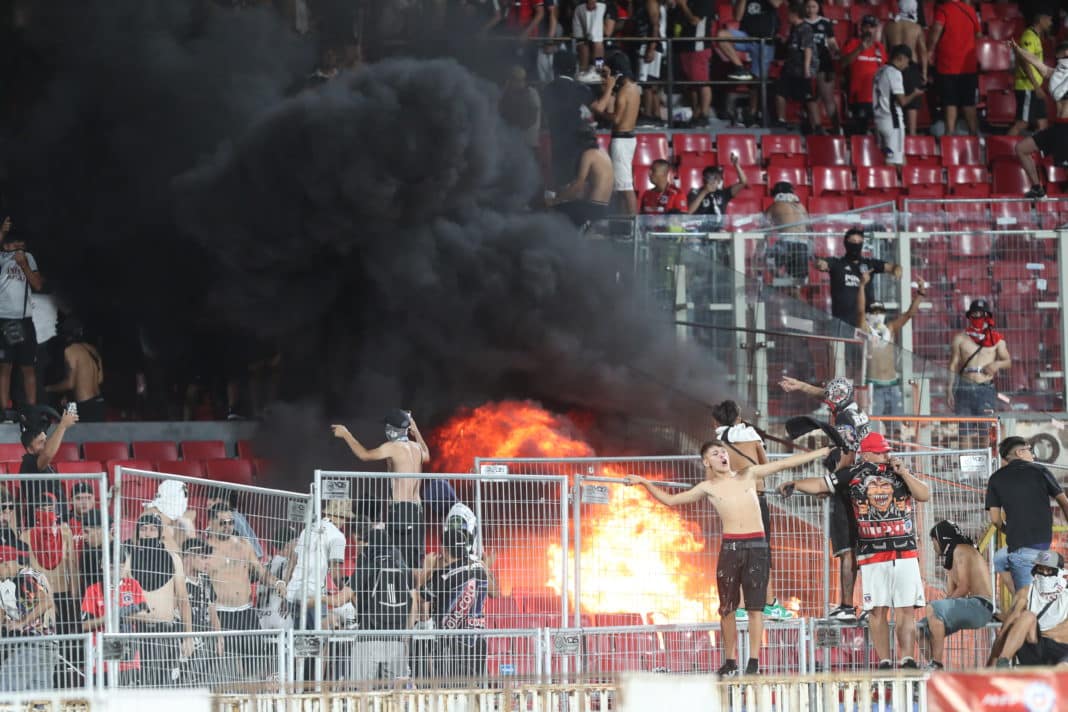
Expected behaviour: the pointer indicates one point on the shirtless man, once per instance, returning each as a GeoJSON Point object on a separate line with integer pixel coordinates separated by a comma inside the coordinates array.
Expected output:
{"type": "Point", "coordinates": [1051, 141]}
{"type": "Point", "coordinates": [1036, 629]}
{"type": "Point", "coordinates": [978, 353]}
{"type": "Point", "coordinates": [744, 559]}
{"type": "Point", "coordinates": [904, 29]}
{"type": "Point", "coordinates": [882, 353]}
{"type": "Point", "coordinates": [232, 565]}
{"type": "Point", "coordinates": [619, 103]}
{"type": "Point", "coordinates": [747, 448]}
{"type": "Point", "coordinates": [969, 603]}
{"type": "Point", "coordinates": [405, 512]}
{"type": "Point", "coordinates": [586, 198]}
{"type": "Point", "coordinates": [790, 254]}
{"type": "Point", "coordinates": [85, 374]}
{"type": "Point", "coordinates": [162, 578]}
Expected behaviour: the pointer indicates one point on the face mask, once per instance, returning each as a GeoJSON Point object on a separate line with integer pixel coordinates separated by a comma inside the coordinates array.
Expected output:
{"type": "Point", "coordinates": [876, 321]}
{"type": "Point", "coordinates": [1048, 585]}
{"type": "Point", "coordinates": [977, 323]}
{"type": "Point", "coordinates": [853, 250]}
{"type": "Point", "coordinates": [396, 434]}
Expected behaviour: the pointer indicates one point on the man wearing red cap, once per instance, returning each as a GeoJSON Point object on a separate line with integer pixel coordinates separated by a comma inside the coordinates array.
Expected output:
{"type": "Point", "coordinates": [881, 490]}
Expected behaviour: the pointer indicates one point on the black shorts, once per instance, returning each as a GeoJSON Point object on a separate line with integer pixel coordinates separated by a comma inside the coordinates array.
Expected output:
{"type": "Point", "coordinates": [958, 89]}
{"type": "Point", "coordinates": [23, 353]}
{"type": "Point", "coordinates": [743, 567]}
{"type": "Point", "coordinates": [1029, 106]}
{"type": "Point", "coordinates": [843, 533]}
{"type": "Point", "coordinates": [1045, 652]}
{"type": "Point", "coordinates": [796, 88]}
{"type": "Point", "coordinates": [1053, 142]}
{"type": "Point", "coordinates": [247, 619]}
{"type": "Point", "coordinates": [581, 212]}
{"type": "Point", "coordinates": [912, 79]}
{"type": "Point", "coordinates": [765, 518]}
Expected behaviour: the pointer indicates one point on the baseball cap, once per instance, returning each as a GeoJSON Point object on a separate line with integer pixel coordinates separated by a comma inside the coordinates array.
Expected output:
{"type": "Point", "coordinates": [871, 20]}
{"type": "Point", "coordinates": [876, 307]}
{"type": "Point", "coordinates": [874, 442]}
{"type": "Point", "coordinates": [82, 488]}
{"type": "Point", "coordinates": [978, 305]}
{"type": "Point", "coordinates": [1049, 558]}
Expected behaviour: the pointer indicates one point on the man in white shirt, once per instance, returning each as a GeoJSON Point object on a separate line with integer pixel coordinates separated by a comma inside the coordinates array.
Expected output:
{"type": "Point", "coordinates": [317, 554]}
{"type": "Point", "coordinates": [888, 104]}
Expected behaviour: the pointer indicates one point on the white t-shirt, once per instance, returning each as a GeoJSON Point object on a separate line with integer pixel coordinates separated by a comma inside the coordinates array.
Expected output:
{"type": "Point", "coordinates": [739, 433]}
{"type": "Point", "coordinates": [314, 552]}
{"type": "Point", "coordinates": [888, 82]}
{"type": "Point", "coordinates": [14, 303]}
{"type": "Point", "coordinates": [45, 315]}
{"type": "Point", "coordinates": [1058, 81]}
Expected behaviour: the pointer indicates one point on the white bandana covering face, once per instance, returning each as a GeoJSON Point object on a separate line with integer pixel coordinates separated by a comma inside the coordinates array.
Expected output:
{"type": "Point", "coordinates": [1058, 81]}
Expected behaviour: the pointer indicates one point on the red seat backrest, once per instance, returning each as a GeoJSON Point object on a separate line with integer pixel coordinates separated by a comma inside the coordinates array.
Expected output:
{"type": "Point", "coordinates": [876, 177]}
{"type": "Point", "coordinates": [993, 55]}
{"type": "Point", "coordinates": [831, 179]}
{"type": "Point", "coordinates": [155, 450]}
{"type": "Point", "coordinates": [104, 451]}
{"type": "Point", "coordinates": [1001, 147]}
{"type": "Point", "coordinates": [67, 452]}
{"type": "Point", "coordinates": [1010, 178]}
{"type": "Point", "coordinates": [691, 143]}
{"type": "Point", "coordinates": [229, 470]}
{"type": "Point", "coordinates": [961, 151]}
{"type": "Point", "coordinates": [79, 467]}
{"type": "Point", "coordinates": [828, 151]}
{"type": "Point", "coordinates": [921, 175]}
{"type": "Point", "coordinates": [11, 452]}
{"type": "Point", "coordinates": [651, 147]}
{"type": "Point", "coordinates": [773, 145]}
{"type": "Point", "coordinates": [203, 449]}
{"type": "Point", "coordinates": [744, 145]}
{"type": "Point", "coordinates": [828, 205]}
{"type": "Point", "coordinates": [186, 468]}
{"type": "Point", "coordinates": [866, 151]}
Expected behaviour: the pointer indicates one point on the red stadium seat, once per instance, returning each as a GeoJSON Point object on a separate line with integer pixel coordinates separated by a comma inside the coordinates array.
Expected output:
{"type": "Point", "coordinates": [858, 201]}
{"type": "Point", "coordinates": [203, 449]}
{"type": "Point", "coordinates": [975, 245]}
{"type": "Point", "coordinates": [11, 452]}
{"type": "Point", "coordinates": [921, 151]}
{"type": "Point", "coordinates": [1002, 29]}
{"type": "Point", "coordinates": [878, 181]}
{"type": "Point", "coordinates": [155, 450]}
{"type": "Point", "coordinates": [1000, 107]}
{"type": "Point", "coordinates": [968, 216]}
{"type": "Point", "coordinates": [968, 181]}
{"type": "Point", "coordinates": [245, 449]}
{"type": "Point", "coordinates": [641, 179]}
{"type": "Point", "coordinates": [691, 143]}
{"type": "Point", "coordinates": [604, 140]}
{"type": "Point", "coordinates": [837, 180]}
{"type": "Point", "coordinates": [102, 452]}
{"type": "Point", "coordinates": [229, 470]}
{"type": "Point", "coordinates": [67, 452]}
{"type": "Point", "coordinates": [1010, 178]}
{"type": "Point", "coordinates": [781, 146]}
{"type": "Point", "coordinates": [744, 145]}
{"type": "Point", "coordinates": [80, 467]}
{"type": "Point", "coordinates": [1056, 179]}
{"type": "Point", "coordinates": [923, 181]}
{"type": "Point", "coordinates": [651, 147]}
{"type": "Point", "coordinates": [828, 151]}
{"type": "Point", "coordinates": [961, 151]}
{"type": "Point", "coordinates": [990, 81]}
{"type": "Point", "coordinates": [993, 56]}
{"type": "Point", "coordinates": [1013, 215]}
{"type": "Point", "coordinates": [866, 151]}
{"type": "Point", "coordinates": [1001, 147]}
{"type": "Point", "coordinates": [185, 468]}
{"type": "Point", "coordinates": [795, 175]}
{"type": "Point", "coordinates": [836, 13]}
{"type": "Point", "coordinates": [690, 178]}
{"type": "Point", "coordinates": [124, 462]}
{"type": "Point", "coordinates": [700, 161]}
{"type": "Point", "coordinates": [828, 205]}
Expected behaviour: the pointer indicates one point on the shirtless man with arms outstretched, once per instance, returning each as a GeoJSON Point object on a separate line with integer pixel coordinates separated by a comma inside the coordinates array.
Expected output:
{"type": "Point", "coordinates": [402, 455]}
{"type": "Point", "coordinates": [744, 558]}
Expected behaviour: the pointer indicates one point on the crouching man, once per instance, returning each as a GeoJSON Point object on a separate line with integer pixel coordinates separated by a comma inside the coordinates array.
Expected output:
{"type": "Point", "coordinates": [1036, 629]}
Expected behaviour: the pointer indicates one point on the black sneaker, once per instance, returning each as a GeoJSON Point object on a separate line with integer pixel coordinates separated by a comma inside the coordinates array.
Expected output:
{"type": "Point", "coordinates": [843, 613]}
{"type": "Point", "coordinates": [740, 74]}
{"type": "Point", "coordinates": [886, 665]}
{"type": "Point", "coordinates": [935, 665]}
{"type": "Point", "coordinates": [752, 668]}
{"type": "Point", "coordinates": [1002, 663]}
{"type": "Point", "coordinates": [909, 664]}
{"type": "Point", "coordinates": [728, 669]}
{"type": "Point", "coordinates": [1036, 192]}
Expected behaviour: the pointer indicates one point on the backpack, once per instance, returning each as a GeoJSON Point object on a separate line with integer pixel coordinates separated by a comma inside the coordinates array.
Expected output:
{"type": "Point", "coordinates": [385, 603]}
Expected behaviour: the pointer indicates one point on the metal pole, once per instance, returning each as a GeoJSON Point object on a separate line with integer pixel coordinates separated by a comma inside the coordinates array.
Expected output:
{"type": "Point", "coordinates": [105, 557]}
{"type": "Point", "coordinates": [576, 510]}
{"type": "Point", "coordinates": [113, 600]}
{"type": "Point", "coordinates": [564, 544]}
{"type": "Point", "coordinates": [671, 82]}
{"type": "Point", "coordinates": [825, 505]}
{"type": "Point", "coordinates": [764, 81]}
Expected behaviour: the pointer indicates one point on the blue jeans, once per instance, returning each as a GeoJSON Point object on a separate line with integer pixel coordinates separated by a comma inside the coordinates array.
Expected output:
{"type": "Point", "coordinates": [760, 55]}
{"type": "Point", "coordinates": [887, 400]}
{"type": "Point", "coordinates": [1018, 563]}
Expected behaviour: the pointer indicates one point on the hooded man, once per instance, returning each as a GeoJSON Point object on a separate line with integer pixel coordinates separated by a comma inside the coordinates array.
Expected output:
{"type": "Point", "coordinates": [978, 353]}
{"type": "Point", "coordinates": [1035, 631]}
{"type": "Point", "coordinates": [969, 604]}
{"type": "Point", "coordinates": [404, 514]}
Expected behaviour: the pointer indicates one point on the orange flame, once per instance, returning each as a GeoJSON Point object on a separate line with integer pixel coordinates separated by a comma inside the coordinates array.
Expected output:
{"type": "Point", "coordinates": [638, 556]}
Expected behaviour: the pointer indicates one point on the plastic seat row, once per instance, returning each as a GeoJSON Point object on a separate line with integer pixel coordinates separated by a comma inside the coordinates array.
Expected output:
{"type": "Point", "coordinates": [165, 450]}
{"type": "Point", "coordinates": [232, 470]}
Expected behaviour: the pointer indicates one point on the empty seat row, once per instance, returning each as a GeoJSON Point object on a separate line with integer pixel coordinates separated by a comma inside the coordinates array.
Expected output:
{"type": "Point", "coordinates": [155, 450]}
{"type": "Point", "coordinates": [232, 470]}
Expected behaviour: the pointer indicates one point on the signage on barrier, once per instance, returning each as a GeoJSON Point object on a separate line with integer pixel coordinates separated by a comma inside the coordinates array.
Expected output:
{"type": "Point", "coordinates": [567, 643]}
{"type": "Point", "coordinates": [1015, 692]}
{"type": "Point", "coordinates": [336, 489]}
{"type": "Point", "coordinates": [972, 467]}
{"type": "Point", "coordinates": [296, 510]}
{"type": "Point", "coordinates": [595, 494]}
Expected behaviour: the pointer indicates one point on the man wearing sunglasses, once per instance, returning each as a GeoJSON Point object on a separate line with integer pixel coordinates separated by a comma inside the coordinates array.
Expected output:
{"type": "Point", "coordinates": [1017, 498]}
{"type": "Point", "coordinates": [1035, 631]}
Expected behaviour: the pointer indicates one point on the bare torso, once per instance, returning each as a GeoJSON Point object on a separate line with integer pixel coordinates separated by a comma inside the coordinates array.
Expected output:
{"type": "Point", "coordinates": [783, 213]}
{"type": "Point", "coordinates": [228, 569]}
{"type": "Point", "coordinates": [903, 32]}
{"type": "Point", "coordinates": [964, 347]}
{"type": "Point", "coordinates": [406, 456]}
{"type": "Point", "coordinates": [628, 100]}
{"type": "Point", "coordinates": [735, 498]}
{"type": "Point", "coordinates": [1062, 109]}
{"type": "Point", "coordinates": [87, 373]}
{"type": "Point", "coordinates": [882, 361]}
{"type": "Point", "coordinates": [970, 568]}
{"type": "Point", "coordinates": [599, 185]}
{"type": "Point", "coordinates": [163, 603]}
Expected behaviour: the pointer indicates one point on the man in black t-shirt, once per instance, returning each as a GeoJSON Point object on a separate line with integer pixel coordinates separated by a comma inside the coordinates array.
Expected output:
{"type": "Point", "coordinates": [40, 451]}
{"type": "Point", "coordinates": [845, 277]}
{"type": "Point", "coordinates": [1017, 499]}
{"type": "Point", "coordinates": [798, 79]}
{"type": "Point", "coordinates": [711, 198]}
{"type": "Point", "coordinates": [565, 105]}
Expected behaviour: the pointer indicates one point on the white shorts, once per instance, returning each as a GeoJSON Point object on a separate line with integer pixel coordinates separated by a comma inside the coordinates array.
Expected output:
{"type": "Point", "coordinates": [589, 25]}
{"type": "Point", "coordinates": [648, 70]}
{"type": "Point", "coordinates": [891, 140]}
{"type": "Point", "coordinates": [622, 150]}
{"type": "Point", "coordinates": [892, 584]}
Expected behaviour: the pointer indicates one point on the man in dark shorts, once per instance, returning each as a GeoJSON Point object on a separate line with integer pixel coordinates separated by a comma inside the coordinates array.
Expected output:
{"type": "Point", "coordinates": [798, 78]}
{"type": "Point", "coordinates": [1053, 141]}
{"type": "Point", "coordinates": [1027, 85]}
{"type": "Point", "coordinates": [744, 559]}
{"type": "Point", "coordinates": [693, 18]}
{"type": "Point", "coordinates": [853, 425]}
{"type": "Point", "coordinates": [953, 45]}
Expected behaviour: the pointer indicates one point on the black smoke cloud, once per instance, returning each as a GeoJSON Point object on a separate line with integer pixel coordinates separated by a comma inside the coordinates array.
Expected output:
{"type": "Point", "coordinates": [374, 227]}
